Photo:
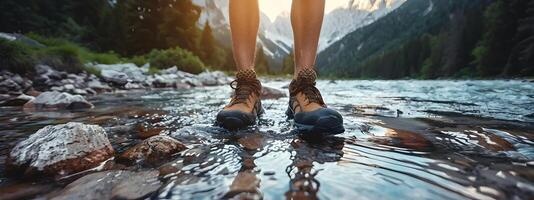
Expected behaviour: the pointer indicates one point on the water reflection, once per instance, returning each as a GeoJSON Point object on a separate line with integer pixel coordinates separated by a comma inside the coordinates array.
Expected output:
{"type": "Point", "coordinates": [303, 184]}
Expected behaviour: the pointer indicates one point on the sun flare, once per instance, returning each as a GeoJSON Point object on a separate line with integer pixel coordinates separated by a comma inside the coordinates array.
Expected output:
{"type": "Point", "coordinates": [273, 8]}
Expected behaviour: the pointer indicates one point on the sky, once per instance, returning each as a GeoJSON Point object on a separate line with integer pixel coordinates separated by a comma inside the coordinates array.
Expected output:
{"type": "Point", "coordinates": [273, 8]}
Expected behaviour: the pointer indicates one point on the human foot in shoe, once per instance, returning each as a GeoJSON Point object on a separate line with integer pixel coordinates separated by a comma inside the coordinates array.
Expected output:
{"type": "Point", "coordinates": [245, 104]}
{"type": "Point", "coordinates": [307, 108]}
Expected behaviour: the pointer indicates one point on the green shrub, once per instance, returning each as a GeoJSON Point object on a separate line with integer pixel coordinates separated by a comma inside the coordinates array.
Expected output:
{"type": "Point", "coordinates": [183, 59]}
{"type": "Point", "coordinates": [93, 70]}
{"type": "Point", "coordinates": [47, 41]}
{"type": "Point", "coordinates": [138, 60]}
{"type": "Point", "coordinates": [64, 57]}
{"type": "Point", "coordinates": [16, 57]}
{"type": "Point", "coordinates": [101, 58]}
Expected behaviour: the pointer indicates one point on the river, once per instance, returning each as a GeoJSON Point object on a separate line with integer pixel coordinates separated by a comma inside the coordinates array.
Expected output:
{"type": "Point", "coordinates": [404, 140]}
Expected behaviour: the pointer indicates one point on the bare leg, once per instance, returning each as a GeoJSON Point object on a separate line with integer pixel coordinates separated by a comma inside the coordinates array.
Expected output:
{"type": "Point", "coordinates": [244, 24]}
{"type": "Point", "coordinates": [245, 105]}
{"type": "Point", "coordinates": [306, 19]}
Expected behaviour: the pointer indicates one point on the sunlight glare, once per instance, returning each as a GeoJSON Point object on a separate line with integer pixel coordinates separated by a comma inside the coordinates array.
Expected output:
{"type": "Point", "coordinates": [273, 8]}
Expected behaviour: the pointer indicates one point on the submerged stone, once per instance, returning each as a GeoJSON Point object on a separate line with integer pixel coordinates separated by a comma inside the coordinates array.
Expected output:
{"type": "Point", "coordinates": [61, 150]}
{"type": "Point", "coordinates": [154, 150]}
{"type": "Point", "coordinates": [116, 184]}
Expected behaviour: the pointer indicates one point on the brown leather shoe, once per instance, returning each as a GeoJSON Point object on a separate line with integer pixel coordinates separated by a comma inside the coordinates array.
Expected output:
{"type": "Point", "coordinates": [307, 108]}
{"type": "Point", "coordinates": [245, 105]}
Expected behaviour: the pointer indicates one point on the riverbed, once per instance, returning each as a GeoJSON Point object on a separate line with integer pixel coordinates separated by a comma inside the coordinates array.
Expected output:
{"type": "Point", "coordinates": [405, 139]}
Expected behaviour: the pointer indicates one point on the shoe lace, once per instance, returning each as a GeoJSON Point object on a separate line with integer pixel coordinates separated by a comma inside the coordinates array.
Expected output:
{"type": "Point", "coordinates": [243, 90]}
{"type": "Point", "coordinates": [308, 89]}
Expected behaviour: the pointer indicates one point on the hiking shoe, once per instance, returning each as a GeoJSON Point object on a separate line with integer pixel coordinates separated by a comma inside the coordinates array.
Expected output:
{"type": "Point", "coordinates": [245, 105]}
{"type": "Point", "coordinates": [308, 110]}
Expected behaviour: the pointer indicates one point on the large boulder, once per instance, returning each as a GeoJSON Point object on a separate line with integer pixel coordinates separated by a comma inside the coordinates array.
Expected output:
{"type": "Point", "coordinates": [60, 150]}
{"type": "Point", "coordinates": [116, 184]}
{"type": "Point", "coordinates": [132, 72]}
{"type": "Point", "coordinates": [115, 77]}
{"type": "Point", "coordinates": [56, 101]}
{"type": "Point", "coordinates": [154, 150]}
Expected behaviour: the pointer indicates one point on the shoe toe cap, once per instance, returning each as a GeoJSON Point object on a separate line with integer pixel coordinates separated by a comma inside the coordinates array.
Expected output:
{"type": "Point", "coordinates": [321, 116]}
{"type": "Point", "coordinates": [234, 119]}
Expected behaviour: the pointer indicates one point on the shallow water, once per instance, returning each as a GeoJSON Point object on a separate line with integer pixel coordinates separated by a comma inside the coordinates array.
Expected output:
{"type": "Point", "coordinates": [403, 139]}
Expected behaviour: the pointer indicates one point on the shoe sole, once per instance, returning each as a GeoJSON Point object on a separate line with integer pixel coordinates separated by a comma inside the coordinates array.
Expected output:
{"type": "Point", "coordinates": [326, 126]}
{"type": "Point", "coordinates": [235, 123]}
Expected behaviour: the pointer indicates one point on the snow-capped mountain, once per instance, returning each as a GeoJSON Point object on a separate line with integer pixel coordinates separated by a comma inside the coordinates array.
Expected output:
{"type": "Point", "coordinates": [276, 36]}
{"type": "Point", "coordinates": [356, 14]}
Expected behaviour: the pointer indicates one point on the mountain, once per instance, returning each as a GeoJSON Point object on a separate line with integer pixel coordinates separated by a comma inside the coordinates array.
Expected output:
{"type": "Point", "coordinates": [438, 38]}
{"type": "Point", "coordinates": [356, 14]}
{"type": "Point", "coordinates": [276, 36]}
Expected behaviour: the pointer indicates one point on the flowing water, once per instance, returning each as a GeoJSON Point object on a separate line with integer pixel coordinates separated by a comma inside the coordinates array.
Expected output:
{"type": "Point", "coordinates": [403, 139]}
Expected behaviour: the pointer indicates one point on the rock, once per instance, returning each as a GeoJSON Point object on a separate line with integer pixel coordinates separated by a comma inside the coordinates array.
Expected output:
{"type": "Point", "coordinates": [17, 101]}
{"type": "Point", "coordinates": [21, 38]}
{"type": "Point", "coordinates": [60, 150]}
{"type": "Point", "coordinates": [115, 184]}
{"type": "Point", "coordinates": [213, 78]}
{"type": "Point", "coordinates": [131, 70]}
{"type": "Point", "coordinates": [131, 85]}
{"type": "Point", "coordinates": [165, 80]}
{"type": "Point", "coordinates": [146, 132]}
{"type": "Point", "coordinates": [79, 91]}
{"type": "Point", "coordinates": [98, 86]}
{"type": "Point", "coordinates": [68, 87]}
{"type": "Point", "coordinates": [170, 168]}
{"type": "Point", "coordinates": [23, 190]}
{"type": "Point", "coordinates": [172, 70]}
{"type": "Point", "coordinates": [272, 93]}
{"type": "Point", "coordinates": [57, 100]}
{"type": "Point", "coordinates": [9, 85]}
{"type": "Point", "coordinates": [114, 77]}
{"type": "Point", "coordinates": [154, 150]}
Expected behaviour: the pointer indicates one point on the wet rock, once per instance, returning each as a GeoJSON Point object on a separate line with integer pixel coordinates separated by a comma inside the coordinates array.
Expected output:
{"type": "Point", "coordinates": [57, 100]}
{"type": "Point", "coordinates": [197, 134]}
{"type": "Point", "coordinates": [61, 150]}
{"type": "Point", "coordinates": [146, 132]}
{"type": "Point", "coordinates": [272, 93]}
{"type": "Point", "coordinates": [17, 101]}
{"type": "Point", "coordinates": [23, 191]}
{"type": "Point", "coordinates": [115, 77]}
{"type": "Point", "coordinates": [115, 184]}
{"type": "Point", "coordinates": [154, 150]}
{"type": "Point", "coordinates": [170, 168]}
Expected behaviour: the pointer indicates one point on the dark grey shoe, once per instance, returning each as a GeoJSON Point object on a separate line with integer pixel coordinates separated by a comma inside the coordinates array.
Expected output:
{"type": "Point", "coordinates": [245, 85]}
{"type": "Point", "coordinates": [321, 122]}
